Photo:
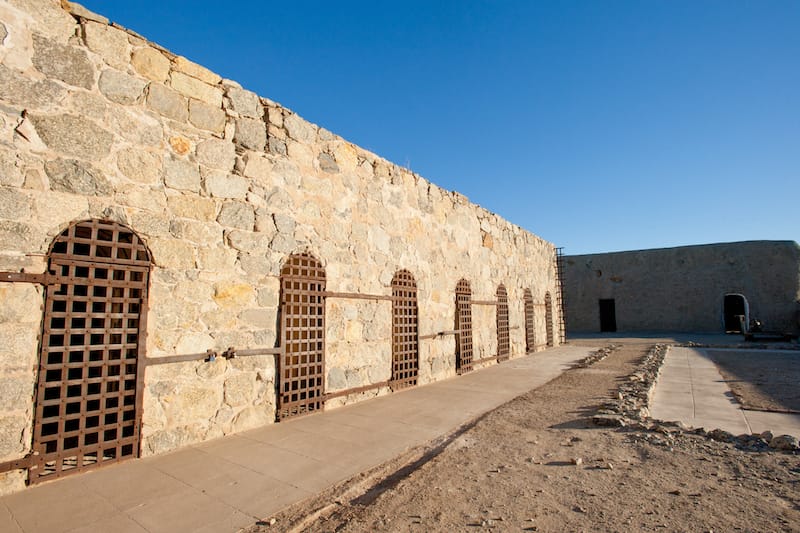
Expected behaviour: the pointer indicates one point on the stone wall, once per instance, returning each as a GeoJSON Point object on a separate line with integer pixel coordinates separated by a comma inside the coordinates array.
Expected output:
{"type": "Point", "coordinates": [682, 289]}
{"type": "Point", "coordinates": [222, 185]}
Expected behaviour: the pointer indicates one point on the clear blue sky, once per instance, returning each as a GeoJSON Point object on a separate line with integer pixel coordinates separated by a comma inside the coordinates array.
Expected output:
{"type": "Point", "coordinates": [598, 125]}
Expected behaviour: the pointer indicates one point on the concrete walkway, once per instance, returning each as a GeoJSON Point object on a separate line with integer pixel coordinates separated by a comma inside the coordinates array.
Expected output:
{"type": "Point", "coordinates": [232, 482]}
{"type": "Point", "coordinates": [691, 389]}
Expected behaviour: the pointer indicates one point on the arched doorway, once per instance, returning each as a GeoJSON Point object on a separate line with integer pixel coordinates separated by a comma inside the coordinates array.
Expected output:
{"type": "Point", "coordinates": [301, 369]}
{"type": "Point", "coordinates": [530, 329]}
{"type": "Point", "coordinates": [734, 306]}
{"type": "Point", "coordinates": [405, 331]}
{"type": "Point", "coordinates": [89, 387]}
{"type": "Point", "coordinates": [548, 318]}
{"type": "Point", "coordinates": [501, 321]}
{"type": "Point", "coordinates": [464, 327]}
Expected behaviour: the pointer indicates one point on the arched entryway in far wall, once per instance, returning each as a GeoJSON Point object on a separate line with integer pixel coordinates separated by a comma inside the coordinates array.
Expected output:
{"type": "Point", "coordinates": [464, 327]}
{"type": "Point", "coordinates": [530, 329]}
{"type": "Point", "coordinates": [301, 369]}
{"type": "Point", "coordinates": [90, 382]}
{"type": "Point", "coordinates": [405, 331]}
{"type": "Point", "coordinates": [501, 320]}
{"type": "Point", "coordinates": [548, 318]}
{"type": "Point", "coordinates": [734, 306]}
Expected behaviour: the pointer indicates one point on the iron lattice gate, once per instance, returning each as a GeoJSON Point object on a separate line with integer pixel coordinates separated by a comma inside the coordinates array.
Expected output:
{"type": "Point", "coordinates": [89, 389]}
{"type": "Point", "coordinates": [530, 331]}
{"type": "Point", "coordinates": [302, 362]}
{"type": "Point", "coordinates": [405, 331]}
{"type": "Point", "coordinates": [464, 326]}
{"type": "Point", "coordinates": [501, 321]}
{"type": "Point", "coordinates": [548, 318]}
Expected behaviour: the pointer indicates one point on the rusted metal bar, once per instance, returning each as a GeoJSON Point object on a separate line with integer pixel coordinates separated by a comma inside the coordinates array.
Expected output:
{"type": "Point", "coordinates": [16, 464]}
{"type": "Point", "coordinates": [357, 296]}
{"type": "Point", "coordinates": [440, 334]}
{"type": "Point", "coordinates": [205, 356]}
{"type": "Point", "coordinates": [210, 355]}
{"type": "Point", "coordinates": [232, 352]}
{"type": "Point", "coordinates": [24, 277]}
{"type": "Point", "coordinates": [355, 390]}
{"type": "Point", "coordinates": [484, 302]}
{"type": "Point", "coordinates": [513, 327]}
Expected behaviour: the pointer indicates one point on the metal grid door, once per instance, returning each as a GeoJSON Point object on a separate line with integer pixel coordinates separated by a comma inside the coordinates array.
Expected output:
{"type": "Point", "coordinates": [501, 320]}
{"type": "Point", "coordinates": [302, 361]}
{"type": "Point", "coordinates": [530, 330]}
{"type": "Point", "coordinates": [464, 325]}
{"type": "Point", "coordinates": [548, 318]}
{"type": "Point", "coordinates": [88, 396]}
{"type": "Point", "coordinates": [405, 331]}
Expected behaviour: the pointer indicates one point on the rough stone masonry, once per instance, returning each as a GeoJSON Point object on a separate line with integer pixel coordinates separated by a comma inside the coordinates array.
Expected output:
{"type": "Point", "coordinates": [223, 186]}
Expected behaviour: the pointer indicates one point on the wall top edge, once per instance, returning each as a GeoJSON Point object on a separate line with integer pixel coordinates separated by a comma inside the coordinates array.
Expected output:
{"type": "Point", "coordinates": [82, 14]}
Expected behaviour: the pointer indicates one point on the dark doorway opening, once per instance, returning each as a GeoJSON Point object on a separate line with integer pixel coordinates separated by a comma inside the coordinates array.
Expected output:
{"type": "Point", "coordinates": [735, 306]}
{"type": "Point", "coordinates": [608, 315]}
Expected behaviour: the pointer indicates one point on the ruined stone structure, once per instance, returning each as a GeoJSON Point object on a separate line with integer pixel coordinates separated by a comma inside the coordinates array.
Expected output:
{"type": "Point", "coordinates": [182, 259]}
{"type": "Point", "coordinates": [689, 288]}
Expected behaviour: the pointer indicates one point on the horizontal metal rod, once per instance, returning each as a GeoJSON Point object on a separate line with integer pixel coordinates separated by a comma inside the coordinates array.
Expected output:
{"type": "Point", "coordinates": [180, 358]}
{"type": "Point", "coordinates": [230, 353]}
{"type": "Point", "coordinates": [485, 360]}
{"type": "Point", "coordinates": [484, 302]}
{"type": "Point", "coordinates": [24, 277]}
{"type": "Point", "coordinates": [356, 390]}
{"type": "Point", "coordinates": [16, 464]}
{"type": "Point", "coordinates": [253, 351]}
{"type": "Point", "coordinates": [357, 296]}
{"type": "Point", "coordinates": [440, 334]}
{"type": "Point", "coordinates": [513, 327]}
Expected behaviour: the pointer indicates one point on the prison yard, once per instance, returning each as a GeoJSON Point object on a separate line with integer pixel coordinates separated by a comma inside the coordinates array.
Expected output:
{"type": "Point", "coordinates": [216, 315]}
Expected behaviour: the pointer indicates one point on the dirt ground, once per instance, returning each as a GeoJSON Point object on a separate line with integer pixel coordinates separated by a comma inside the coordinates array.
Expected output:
{"type": "Point", "coordinates": [538, 463]}
{"type": "Point", "coordinates": [762, 379]}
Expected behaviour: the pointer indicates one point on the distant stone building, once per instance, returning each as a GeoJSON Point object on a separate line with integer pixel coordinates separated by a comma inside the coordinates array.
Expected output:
{"type": "Point", "coordinates": [690, 288]}
{"type": "Point", "coordinates": [182, 259]}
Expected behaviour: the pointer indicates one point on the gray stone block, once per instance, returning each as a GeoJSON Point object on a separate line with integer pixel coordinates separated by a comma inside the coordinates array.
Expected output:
{"type": "Point", "coordinates": [63, 62]}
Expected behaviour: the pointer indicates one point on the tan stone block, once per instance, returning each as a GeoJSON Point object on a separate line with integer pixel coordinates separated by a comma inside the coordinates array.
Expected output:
{"type": "Point", "coordinates": [53, 209]}
{"type": "Point", "coordinates": [212, 369]}
{"type": "Point", "coordinates": [275, 116]}
{"type": "Point", "coordinates": [180, 145]}
{"type": "Point", "coordinates": [206, 117]}
{"type": "Point", "coordinates": [21, 304]}
{"type": "Point", "coordinates": [260, 318]}
{"type": "Point", "coordinates": [302, 154]}
{"type": "Point", "coordinates": [217, 259]}
{"type": "Point", "coordinates": [202, 233]}
{"type": "Point", "coordinates": [151, 64]}
{"type": "Point", "coordinates": [109, 42]}
{"type": "Point", "coordinates": [140, 166]}
{"type": "Point", "coordinates": [300, 129]}
{"type": "Point", "coordinates": [191, 404]}
{"type": "Point", "coordinates": [172, 253]}
{"type": "Point", "coordinates": [12, 436]}
{"type": "Point", "coordinates": [181, 64]}
{"type": "Point", "coordinates": [194, 88]}
{"type": "Point", "coordinates": [149, 225]}
{"type": "Point", "coordinates": [240, 389]}
{"type": "Point", "coordinates": [253, 417]}
{"type": "Point", "coordinates": [194, 207]}
{"type": "Point", "coordinates": [231, 294]}
{"type": "Point", "coordinates": [257, 167]}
